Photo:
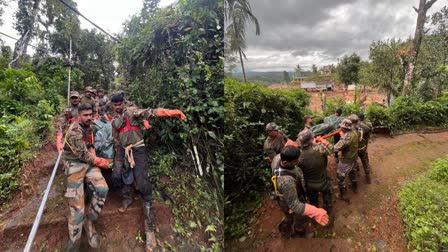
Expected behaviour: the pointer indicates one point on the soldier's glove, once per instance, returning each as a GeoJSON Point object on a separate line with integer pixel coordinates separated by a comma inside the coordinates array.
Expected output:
{"type": "Point", "coordinates": [291, 142]}
{"type": "Point", "coordinates": [101, 162]}
{"type": "Point", "coordinates": [59, 142]}
{"type": "Point", "coordinates": [146, 124]}
{"type": "Point", "coordinates": [319, 214]}
{"type": "Point", "coordinates": [161, 112]}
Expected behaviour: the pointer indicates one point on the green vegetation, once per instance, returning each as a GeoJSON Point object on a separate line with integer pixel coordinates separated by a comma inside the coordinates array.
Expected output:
{"type": "Point", "coordinates": [422, 204]}
{"type": "Point", "coordinates": [249, 107]}
{"type": "Point", "coordinates": [26, 111]}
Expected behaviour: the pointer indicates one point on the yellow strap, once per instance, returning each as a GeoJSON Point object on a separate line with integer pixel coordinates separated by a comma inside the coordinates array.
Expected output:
{"type": "Point", "coordinates": [274, 181]}
{"type": "Point", "coordinates": [128, 152]}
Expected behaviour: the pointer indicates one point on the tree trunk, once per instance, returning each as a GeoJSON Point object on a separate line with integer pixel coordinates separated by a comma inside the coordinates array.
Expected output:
{"type": "Point", "coordinates": [242, 64]}
{"type": "Point", "coordinates": [22, 44]}
{"type": "Point", "coordinates": [419, 32]}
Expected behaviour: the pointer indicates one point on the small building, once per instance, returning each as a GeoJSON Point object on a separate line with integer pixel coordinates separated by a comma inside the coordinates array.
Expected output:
{"type": "Point", "coordinates": [317, 86]}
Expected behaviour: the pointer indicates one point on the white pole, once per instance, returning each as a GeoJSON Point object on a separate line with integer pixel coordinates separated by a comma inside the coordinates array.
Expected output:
{"type": "Point", "coordinates": [69, 73]}
{"type": "Point", "coordinates": [33, 232]}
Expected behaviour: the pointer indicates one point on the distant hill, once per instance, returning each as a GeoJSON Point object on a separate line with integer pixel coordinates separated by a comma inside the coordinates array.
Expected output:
{"type": "Point", "coordinates": [265, 78]}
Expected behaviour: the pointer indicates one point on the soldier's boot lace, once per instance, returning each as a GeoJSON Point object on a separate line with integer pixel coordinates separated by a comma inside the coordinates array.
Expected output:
{"type": "Point", "coordinates": [151, 242]}
{"type": "Point", "coordinates": [125, 203]}
{"type": "Point", "coordinates": [92, 236]}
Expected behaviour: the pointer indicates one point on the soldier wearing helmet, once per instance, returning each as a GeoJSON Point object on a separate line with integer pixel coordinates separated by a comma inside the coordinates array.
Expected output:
{"type": "Point", "coordinates": [347, 147]}
{"type": "Point", "coordinates": [275, 141]}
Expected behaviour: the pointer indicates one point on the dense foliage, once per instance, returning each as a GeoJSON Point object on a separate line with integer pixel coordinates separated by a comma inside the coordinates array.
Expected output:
{"type": "Point", "coordinates": [422, 202]}
{"type": "Point", "coordinates": [249, 107]}
{"type": "Point", "coordinates": [26, 111]}
{"type": "Point", "coordinates": [173, 58]}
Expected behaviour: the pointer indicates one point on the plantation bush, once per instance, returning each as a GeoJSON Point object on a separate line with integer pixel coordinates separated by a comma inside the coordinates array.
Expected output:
{"type": "Point", "coordinates": [378, 115]}
{"type": "Point", "coordinates": [249, 107]}
{"type": "Point", "coordinates": [25, 117]}
{"type": "Point", "coordinates": [423, 203]}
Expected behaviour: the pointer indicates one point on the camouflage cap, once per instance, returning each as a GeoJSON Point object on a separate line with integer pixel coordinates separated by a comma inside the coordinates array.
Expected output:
{"type": "Point", "coordinates": [346, 124]}
{"type": "Point", "coordinates": [74, 94]}
{"type": "Point", "coordinates": [93, 90]}
{"type": "Point", "coordinates": [307, 116]}
{"type": "Point", "coordinates": [272, 126]}
{"type": "Point", "coordinates": [88, 89]}
{"type": "Point", "coordinates": [353, 118]}
{"type": "Point", "coordinates": [305, 137]}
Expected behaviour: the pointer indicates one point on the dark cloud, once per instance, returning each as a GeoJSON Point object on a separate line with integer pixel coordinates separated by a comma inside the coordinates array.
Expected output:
{"type": "Point", "coordinates": [323, 31]}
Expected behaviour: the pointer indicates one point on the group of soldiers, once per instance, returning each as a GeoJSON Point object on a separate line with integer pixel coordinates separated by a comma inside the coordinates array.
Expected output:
{"type": "Point", "coordinates": [300, 173]}
{"type": "Point", "coordinates": [122, 127]}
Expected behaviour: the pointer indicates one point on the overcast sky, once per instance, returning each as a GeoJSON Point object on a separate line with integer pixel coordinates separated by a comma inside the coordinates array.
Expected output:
{"type": "Point", "coordinates": [108, 14]}
{"type": "Point", "coordinates": [319, 32]}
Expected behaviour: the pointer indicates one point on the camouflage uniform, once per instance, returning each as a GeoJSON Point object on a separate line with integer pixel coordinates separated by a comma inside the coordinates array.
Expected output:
{"type": "Point", "coordinates": [313, 162]}
{"type": "Point", "coordinates": [126, 131]}
{"type": "Point", "coordinates": [364, 130]}
{"type": "Point", "coordinates": [348, 154]}
{"type": "Point", "coordinates": [290, 183]}
{"type": "Point", "coordinates": [91, 101]}
{"type": "Point", "coordinates": [273, 146]}
{"type": "Point", "coordinates": [79, 168]}
{"type": "Point", "coordinates": [70, 115]}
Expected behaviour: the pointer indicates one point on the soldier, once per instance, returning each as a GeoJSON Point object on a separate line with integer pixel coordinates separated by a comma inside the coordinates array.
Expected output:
{"type": "Point", "coordinates": [365, 128]}
{"type": "Point", "coordinates": [81, 166]}
{"type": "Point", "coordinates": [70, 115]}
{"type": "Point", "coordinates": [288, 179]}
{"type": "Point", "coordinates": [336, 138]}
{"type": "Point", "coordinates": [308, 121]}
{"type": "Point", "coordinates": [88, 97]}
{"type": "Point", "coordinates": [313, 162]}
{"type": "Point", "coordinates": [348, 154]}
{"type": "Point", "coordinates": [102, 101]}
{"type": "Point", "coordinates": [131, 162]}
{"type": "Point", "coordinates": [274, 142]}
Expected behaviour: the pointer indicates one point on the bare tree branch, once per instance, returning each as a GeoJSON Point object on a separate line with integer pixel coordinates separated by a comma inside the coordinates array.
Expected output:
{"type": "Point", "coordinates": [416, 10]}
{"type": "Point", "coordinates": [429, 4]}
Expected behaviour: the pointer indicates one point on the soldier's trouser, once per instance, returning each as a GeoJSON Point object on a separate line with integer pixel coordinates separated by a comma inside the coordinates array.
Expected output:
{"type": "Point", "coordinates": [77, 174]}
{"type": "Point", "coordinates": [139, 173]}
{"type": "Point", "coordinates": [342, 174]}
{"type": "Point", "coordinates": [364, 156]}
{"type": "Point", "coordinates": [313, 195]}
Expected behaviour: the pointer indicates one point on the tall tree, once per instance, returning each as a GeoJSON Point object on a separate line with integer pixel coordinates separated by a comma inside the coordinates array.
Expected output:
{"type": "Point", "coordinates": [348, 69]}
{"type": "Point", "coordinates": [424, 6]}
{"type": "Point", "coordinates": [314, 68]}
{"type": "Point", "coordinates": [298, 70]}
{"type": "Point", "coordinates": [385, 70]}
{"type": "Point", "coordinates": [238, 12]}
{"type": "Point", "coordinates": [3, 3]}
{"type": "Point", "coordinates": [25, 25]}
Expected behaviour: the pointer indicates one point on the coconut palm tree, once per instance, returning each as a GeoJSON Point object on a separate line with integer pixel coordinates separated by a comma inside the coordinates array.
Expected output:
{"type": "Point", "coordinates": [237, 12]}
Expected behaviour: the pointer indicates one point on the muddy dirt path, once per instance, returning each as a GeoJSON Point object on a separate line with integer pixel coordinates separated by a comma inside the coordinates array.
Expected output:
{"type": "Point", "coordinates": [119, 231]}
{"type": "Point", "coordinates": [371, 222]}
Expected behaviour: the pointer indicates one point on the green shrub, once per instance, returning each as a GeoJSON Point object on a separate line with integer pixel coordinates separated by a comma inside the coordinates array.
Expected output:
{"type": "Point", "coordinates": [248, 108]}
{"type": "Point", "coordinates": [422, 203]}
{"type": "Point", "coordinates": [378, 115]}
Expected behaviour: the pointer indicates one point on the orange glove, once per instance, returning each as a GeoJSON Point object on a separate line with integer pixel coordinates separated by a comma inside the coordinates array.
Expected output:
{"type": "Point", "coordinates": [319, 214]}
{"type": "Point", "coordinates": [59, 142]}
{"type": "Point", "coordinates": [342, 134]}
{"type": "Point", "coordinates": [146, 124]}
{"type": "Point", "coordinates": [161, 112]}
{"type": "Point", "coordinates": [291, 142]}
{"type": "Point", "coordinates": [101, 162]}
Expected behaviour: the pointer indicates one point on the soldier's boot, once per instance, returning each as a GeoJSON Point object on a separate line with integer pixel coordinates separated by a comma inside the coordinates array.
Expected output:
{"type": "Point", "coordinates": [368, 180]}
{"type": "Point", "coordinates": [151, 242]}
{"type": "Point", "coordinates": [92, 236]}
{"type": "Point", "coordinates": [125, 203]}
{"type": "Point", "coordinates": [341, 195]}
{"type": "Point", "coordinates": [355, 187]}
{"type": "Point", "coordinates": [285, 228]}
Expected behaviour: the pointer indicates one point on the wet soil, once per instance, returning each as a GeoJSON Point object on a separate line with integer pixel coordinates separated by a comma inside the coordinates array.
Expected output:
{"type": "Point", "coordinates": [371, 221]}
